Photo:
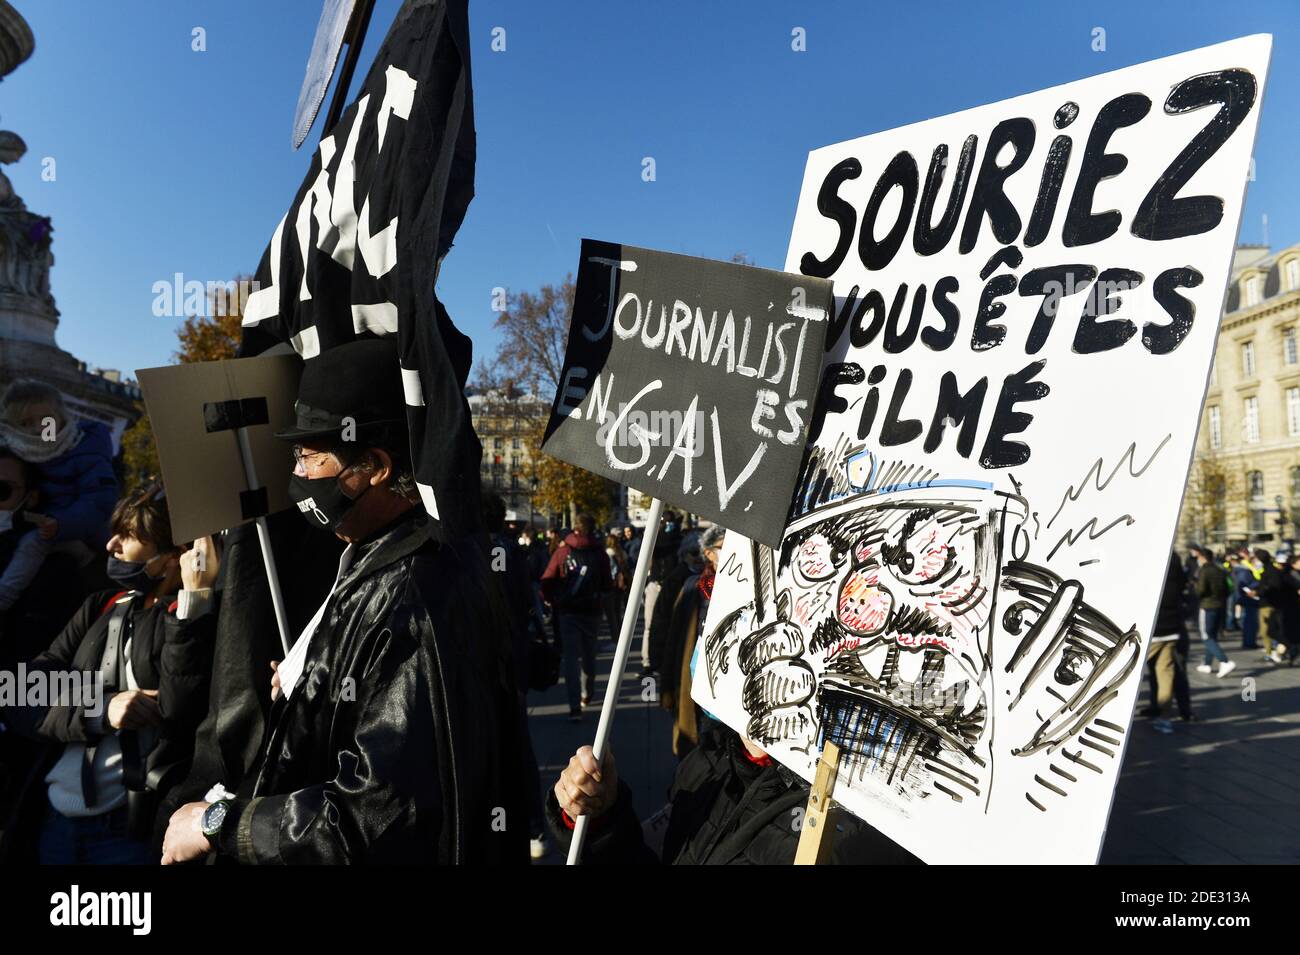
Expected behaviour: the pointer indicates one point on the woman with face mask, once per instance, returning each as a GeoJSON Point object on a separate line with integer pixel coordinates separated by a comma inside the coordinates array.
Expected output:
{"type": "Point", "coordinates": [132, 670]}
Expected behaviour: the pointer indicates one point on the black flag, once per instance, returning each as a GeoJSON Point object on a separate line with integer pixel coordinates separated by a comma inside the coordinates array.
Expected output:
{"type": "Point", "coordinates": [358, 251]}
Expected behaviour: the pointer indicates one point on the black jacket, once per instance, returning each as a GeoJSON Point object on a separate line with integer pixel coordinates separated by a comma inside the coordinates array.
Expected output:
{"type": "Point", "coordinates": [725, 810]}
{"type": "Point", "coordinates": [399, 743]}
{"type": "Point", "coordinates": [508, 561]}
{"type": "Point", "coordinates": [229, 743]}
{"type": "Point", "coordinates": [661, 621]}
{"type": "Point", "coordinates": [169, 655]}
{"type": "Point", "coordinates": [1169, 617]}
{"type": "Point", "coordinates": [1212, 587]}
{"type": "Point", "coordinates": [685, 605]}
{"type": "Point", "coordinates": [46, 605]}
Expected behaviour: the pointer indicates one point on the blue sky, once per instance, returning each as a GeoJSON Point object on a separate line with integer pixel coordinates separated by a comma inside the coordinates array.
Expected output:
{"type": "Point", "coordinates": [170, 160]}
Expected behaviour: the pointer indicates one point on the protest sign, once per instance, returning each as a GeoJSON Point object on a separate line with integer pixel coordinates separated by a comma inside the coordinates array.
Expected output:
{"type": "Point", "coordinates": [666, 388]}
{"type": "Point", "coordinates": [331, 31]}
{"type": "Point", "coordinates": [196, 410]}
{"type": "Point", "coordinates": [359, 248]}
{"type": "Point", "coordinates": [1028, 299]}
{"type": "Point", "coordinates": [691, 380]}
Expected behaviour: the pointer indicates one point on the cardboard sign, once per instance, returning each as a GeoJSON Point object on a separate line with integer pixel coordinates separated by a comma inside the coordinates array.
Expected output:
{"type": "Point", "coordinates": [1028, 299]}
{"type": "Point", "coordinates": [691, 380]}
{"type": "Point", "coordinates": [195, 411]}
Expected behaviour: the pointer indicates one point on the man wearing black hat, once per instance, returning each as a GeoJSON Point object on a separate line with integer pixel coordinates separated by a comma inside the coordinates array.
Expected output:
{"type": "Point", "coordinates": [392, 736]}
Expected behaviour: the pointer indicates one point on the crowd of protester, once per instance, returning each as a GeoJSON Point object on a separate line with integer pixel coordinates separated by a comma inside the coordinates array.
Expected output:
{"type": "Point", "coordinates": [392, 725]}
{"type": "Point", "coordinates": [1246, 592]}
{"type": "Point", "coordinates": [391, 730]}
{"type": "Point", "coordinates": [395, 727]}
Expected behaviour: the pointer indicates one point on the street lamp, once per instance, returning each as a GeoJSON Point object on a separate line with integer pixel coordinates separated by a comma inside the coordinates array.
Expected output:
{"type": "Point", "coordinates": [531, 508]}
{"type": "Point", "coordinates": [1281, 520]}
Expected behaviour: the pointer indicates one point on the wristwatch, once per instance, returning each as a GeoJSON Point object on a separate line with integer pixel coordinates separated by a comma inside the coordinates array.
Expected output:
{"type": "Point", "coordinates": [213, 817]}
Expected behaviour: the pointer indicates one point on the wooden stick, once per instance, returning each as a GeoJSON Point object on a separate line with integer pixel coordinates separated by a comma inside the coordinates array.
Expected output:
{"type": "Point", "coordinates": [814, 839]}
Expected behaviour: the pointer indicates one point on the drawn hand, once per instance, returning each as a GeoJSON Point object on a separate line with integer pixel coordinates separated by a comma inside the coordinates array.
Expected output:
{"type": "Point", "coordinates": [778, 685]}
{"type": "Point", "coordinates": [1070, 661]}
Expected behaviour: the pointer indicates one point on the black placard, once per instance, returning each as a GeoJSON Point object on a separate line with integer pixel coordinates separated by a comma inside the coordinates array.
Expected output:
{"type": "Point", "coordinates": [235, 413]}
{"type": "Point", "coordinates": [691, 380]}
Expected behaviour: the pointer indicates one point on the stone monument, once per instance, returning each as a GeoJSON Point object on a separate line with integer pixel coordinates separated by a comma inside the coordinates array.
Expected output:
{"type": "Point", "coordinates": [28, 316]}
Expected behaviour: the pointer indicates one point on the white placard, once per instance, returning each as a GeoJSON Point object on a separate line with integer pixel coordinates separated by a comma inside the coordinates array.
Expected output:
{"type": "Point", "coordinates": [1008, 408]}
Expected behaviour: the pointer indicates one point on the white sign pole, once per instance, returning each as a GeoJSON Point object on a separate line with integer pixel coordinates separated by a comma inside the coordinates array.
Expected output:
{"type": "Point", "coordinates": [643, 558]}
{"type": "Point", "coordinates": [264, 538]}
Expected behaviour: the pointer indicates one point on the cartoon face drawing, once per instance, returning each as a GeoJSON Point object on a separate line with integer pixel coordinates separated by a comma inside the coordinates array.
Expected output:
{"type": "Point", "coordinates": [887, 621]}
{"type": "Point", "coordinates": [902, 623]}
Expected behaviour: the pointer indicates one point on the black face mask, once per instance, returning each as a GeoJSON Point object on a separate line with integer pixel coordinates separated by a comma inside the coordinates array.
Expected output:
{"type": "Point", "coordinates": [131, 574]}
{"type": "Point", "coordinates": [321, 501]}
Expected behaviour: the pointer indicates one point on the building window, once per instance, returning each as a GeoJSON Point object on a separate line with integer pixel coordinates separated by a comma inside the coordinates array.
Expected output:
{"type": "Point", "coordinates": [1288, 346]}
{"type": "Point", "coordinates": [1216, 429]}
{"type": "Point", "coordinates": [1293, 411]}
{"type": "Point", "coordinates": [1248, 359]}
{"type": "Point", "coordinates": [1250, 291]}
{"type": "Point", "coordinates": [1252, 421]}
{"type": "Point", "coordinates": [1218, 488]}
{"type": "Point", "coordinates": [498, 444]}
{"type": "Point", "coordinates": [1255, 482]}
{"type": "Point", "coordinates": [1293, 275]}
{"type": "Point", "coordinates": [514, 443]}
{"type": "Point", "coordinates": [1295, 483]}
{"type": "Point", "coordinates": [1255, 488]}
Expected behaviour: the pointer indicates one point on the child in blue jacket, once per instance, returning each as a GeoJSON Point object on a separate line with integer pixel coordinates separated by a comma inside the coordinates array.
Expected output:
{"type": "Point", "coordinates": [78, 488]}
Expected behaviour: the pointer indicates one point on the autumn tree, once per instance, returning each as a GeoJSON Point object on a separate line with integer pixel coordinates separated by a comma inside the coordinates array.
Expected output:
{"type": "Point", "coordinates": [565, 488]}
{"type": "Point", "coordinates": [1212, 488]}
{"type": "Point", "coordinates": [215, 336]}
{"type": "Point", "coordinates": [534, 333]}
{"type": "Point", "coordinates": [139, 453]}
{"type": "Point", "coordinates": [211, 337]}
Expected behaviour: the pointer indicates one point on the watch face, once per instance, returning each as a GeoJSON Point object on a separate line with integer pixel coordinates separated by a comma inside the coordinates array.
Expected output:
{"type": "Point", "coordinates": [213, 817]}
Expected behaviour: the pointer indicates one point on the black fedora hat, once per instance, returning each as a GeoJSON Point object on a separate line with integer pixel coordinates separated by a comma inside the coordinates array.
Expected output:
{"type": "Point", "coordinates": [356, 385]}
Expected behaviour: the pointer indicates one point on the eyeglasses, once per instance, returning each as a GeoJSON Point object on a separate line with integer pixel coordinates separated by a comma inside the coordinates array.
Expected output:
{"type": "Point", "coordinates": [301, 456]}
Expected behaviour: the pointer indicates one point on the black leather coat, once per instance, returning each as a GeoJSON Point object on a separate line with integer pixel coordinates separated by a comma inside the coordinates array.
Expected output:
{"type": "Point", "coordinates": [399, 742]}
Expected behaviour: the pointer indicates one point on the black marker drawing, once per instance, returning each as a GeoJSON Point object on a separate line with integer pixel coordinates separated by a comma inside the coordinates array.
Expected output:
{"type": "Point", "coordinates": [1094, 473]}
{"type": "Point", "coordinates": [890, 616]}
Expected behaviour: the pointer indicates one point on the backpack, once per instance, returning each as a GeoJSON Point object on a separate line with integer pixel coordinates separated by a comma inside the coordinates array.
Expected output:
{"type": "Point", "coordinates": [582, 581]}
